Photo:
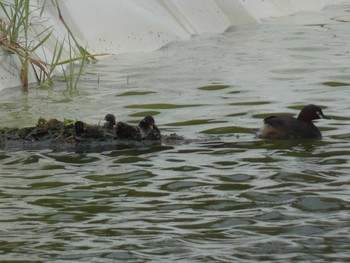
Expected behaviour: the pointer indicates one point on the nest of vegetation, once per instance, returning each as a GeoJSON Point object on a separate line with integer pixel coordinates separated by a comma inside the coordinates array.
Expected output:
{"type": "Point", "coordinates": [44, 130]}
{"type": "Point", "coordinates": [57, 134]}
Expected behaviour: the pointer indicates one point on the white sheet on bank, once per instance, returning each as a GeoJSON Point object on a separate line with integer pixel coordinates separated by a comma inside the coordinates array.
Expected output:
{"type": "Point", "coordinates": [119, 26]}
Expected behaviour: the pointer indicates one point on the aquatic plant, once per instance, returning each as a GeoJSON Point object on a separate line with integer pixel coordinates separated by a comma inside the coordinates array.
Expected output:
{"type": "Point", "coordinates": [19, 37]}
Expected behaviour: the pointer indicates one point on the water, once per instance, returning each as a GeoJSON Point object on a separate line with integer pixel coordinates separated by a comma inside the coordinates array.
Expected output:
{"type": "Point", "coordinates": [223, 197]}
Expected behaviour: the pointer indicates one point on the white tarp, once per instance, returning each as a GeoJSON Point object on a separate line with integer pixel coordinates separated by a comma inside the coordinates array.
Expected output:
{"type": "Point", "coordinates": [119, 26]}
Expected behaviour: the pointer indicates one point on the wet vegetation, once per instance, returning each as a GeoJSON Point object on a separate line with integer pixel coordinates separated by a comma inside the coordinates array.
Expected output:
{"type": "Point", "coordinates": [64, 135]}
{"type": "Point", "coordinates": [51, 130]}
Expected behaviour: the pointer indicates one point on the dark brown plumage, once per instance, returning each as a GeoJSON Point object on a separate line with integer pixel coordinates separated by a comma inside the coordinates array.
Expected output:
{"type": "Point", "coordinates": [83, 132]}
{"type": "Point", "coordinates": [287, 127]}
{"type": "Point", "coordinates": [127, 131]}
{"type": "Point", "coordinates": [110, 121]}
{"type": "Point", "coordinates": [148, 129]}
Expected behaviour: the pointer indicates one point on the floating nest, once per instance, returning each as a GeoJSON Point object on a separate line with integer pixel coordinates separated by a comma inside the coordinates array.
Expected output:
{"type": "Point", "coordinates": [57, 134]}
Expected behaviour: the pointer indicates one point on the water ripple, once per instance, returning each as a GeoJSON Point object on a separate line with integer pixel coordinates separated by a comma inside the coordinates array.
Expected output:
{"type": "Point", "coordinates": [221, 195]}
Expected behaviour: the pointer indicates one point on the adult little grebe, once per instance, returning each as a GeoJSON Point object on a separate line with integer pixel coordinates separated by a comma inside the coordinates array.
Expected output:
{"type": "Point", "coordinates": [287, 127]}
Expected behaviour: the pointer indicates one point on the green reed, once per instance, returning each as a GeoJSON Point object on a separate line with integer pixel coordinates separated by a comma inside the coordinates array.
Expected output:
{"type": "Point", "coordinates": [15, 38]}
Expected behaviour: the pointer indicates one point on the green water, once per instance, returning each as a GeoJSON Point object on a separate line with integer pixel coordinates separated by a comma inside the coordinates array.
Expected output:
{"type": "Point", "coordinates": [223, 196]}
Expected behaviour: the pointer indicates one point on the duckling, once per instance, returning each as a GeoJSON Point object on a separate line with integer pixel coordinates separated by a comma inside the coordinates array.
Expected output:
{"type": "Point", "coordinates": [148, 129]}
{"type": "Point", "coordinates": [110, 121]}
{"type": "Point", "coordinates": [82, 132]}
{"type": "Point", "coordinates": [127, 131]}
